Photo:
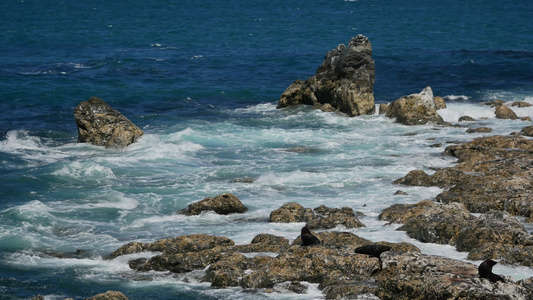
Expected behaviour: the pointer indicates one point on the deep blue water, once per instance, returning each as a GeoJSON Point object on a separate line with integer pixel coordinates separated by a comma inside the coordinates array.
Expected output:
{"type": "Point", "coordinates": [202, 79]}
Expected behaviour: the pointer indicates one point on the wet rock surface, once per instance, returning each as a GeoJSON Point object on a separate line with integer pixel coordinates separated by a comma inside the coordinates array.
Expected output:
{"type": "Point", "coordinates": [399, 273]}
{"type": "Point", "coordinates": [222, 204]}
{"type": "Point", "coordinates": [321, 217]}
{"type": "Point", "coordinates": [101, 125]}
{"type": "Point", "coordinates": [344, 81]}
{"type": "Point", "coordinates": [415, 109]}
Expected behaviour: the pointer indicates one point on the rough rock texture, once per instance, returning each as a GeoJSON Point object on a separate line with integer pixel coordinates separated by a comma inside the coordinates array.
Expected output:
{"type": "Point", "coordinates": [101, 125]}
{"type": "Point", "coordinates": [222, 204]}
{"type": "Point", "coordinates": [439, 103]}
{"type": "Point", "coordinates": [494, 227]}
{"type": "Point", "coordinates": [520, 104]}
{"type": "Point", "coordinates": [181, 244]}
{"type": "Point", "coordinates": [466, 119]}
{"type": "Point", "coordinates": [527, 131]}
{"type": "Point", "coordinates": [401, 273]}
{"type": "Point", "coordinates": [479, 129]}
{"type": "Point", "coordinates": [496, 175]}
{"type": "Point", "coordinates": [414, 275]}
{"type": "Point", "coordinates": [291, 212]}
{"type": "Point", "coordinates": [429, 222]}
{"type": "Point", "coordinates": [344, 81]}
{"type": "Point", "coordinates": [493, 173]}
{"type": "Point", "coordinates": [109, 295]}
{"type": "Point", "coordinates": [504, 112]}
{"type": "Point", "coordinates": [415, 109]}
{"type": "Point", "coordinates": [321, 217]}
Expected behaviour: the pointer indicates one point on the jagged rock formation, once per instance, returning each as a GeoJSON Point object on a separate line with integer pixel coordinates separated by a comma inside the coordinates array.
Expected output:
{"type": "Point", "coordinates": [344, 81]}
{"type": "Point", "coordinates": [99, 124]}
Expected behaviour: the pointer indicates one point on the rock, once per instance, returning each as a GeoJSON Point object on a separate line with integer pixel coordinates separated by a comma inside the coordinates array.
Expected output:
{"type": "Point", "coordinates": [399, 213]}
{"type": "Point", "coordinates": [345, 80]}
{"type": "Point", "coordinates": [327, 218]}
{"type": "Point", "coordinates": [520, 104]}
{"type": "Point", "coordinates": [321, 217]}
{"type": "Point", "coordinates": [222, 204]}
{"type": "Point", "coordinates": [504, 112]}
{"type": "Point", "coordinates": [496, 102]}
{"type": "Point", "coordinates": [181, 244]}
{"type": "Point", "coordinates": [527, 131]}
{"type": "Point", "coordinates": [415, 178]}
{"type": "Point", "coordinates": [505, 253]}
{"type": "Point", "coordinates": [494, 227]}
{"type": "Point", "coordinates": [311, 264]}
{"type": "Point", "coordinates": [466, 119]}
{"type": "Point", "coordinates": [438, 223]}
{"type": "Point", "coordinates": [101, 125]}
{"type": "Point", "coordinates": [293, 286]}
{"type": "Point", "coordinates": [415, 109]}
{"type": "Point", "coordinates": [264, 243]}
{"type": "Point", "coordinates": [291, 212]}
{"type": "Point", "coordinates": [478, 129]}
{"type": "Point", "coordinates": [109, 295]}
{"type": "Point", "coordinates": [383, 108]}
{"type": "Point", "coordinates": [439, 103]}
{"type": "Point", "coordinates": [525, 119]}
{"type": "Point", "coordinates": [414, 275]}
{"type": "Point", "coordinates": [227, 271]}
{"type": "Point", "coordinates": [492, 173]}
{"type": "Point", "coordinates": [497, 175]}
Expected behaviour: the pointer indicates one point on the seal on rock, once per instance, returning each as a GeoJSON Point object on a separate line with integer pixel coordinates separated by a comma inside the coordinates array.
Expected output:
{"type": "Point", "coordinates": [485, 271]}
{"type": "Point", "coordinates": [372, 250]}
{"type": "Point", "coordinates": [308, 238]}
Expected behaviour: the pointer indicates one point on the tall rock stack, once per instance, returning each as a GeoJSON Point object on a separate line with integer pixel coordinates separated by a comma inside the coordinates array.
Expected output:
{"type": "Point", "coordinates": [100, 124]}
{"type": "Point", "coordinates": [344, 81]}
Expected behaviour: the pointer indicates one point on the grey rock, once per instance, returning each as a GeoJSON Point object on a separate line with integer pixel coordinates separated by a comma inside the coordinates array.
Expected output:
{"type": "Point", "coordinates": [100, 124]}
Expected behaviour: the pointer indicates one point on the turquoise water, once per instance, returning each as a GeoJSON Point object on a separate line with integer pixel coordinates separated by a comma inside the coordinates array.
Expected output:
{"type": "Point", "coordinates": [202, 80]}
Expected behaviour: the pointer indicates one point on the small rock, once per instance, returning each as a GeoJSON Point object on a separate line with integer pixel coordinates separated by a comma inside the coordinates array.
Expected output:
{"type": "Point", "coordinates": [223, 204]}
{"type": "Point", "coordinates": [478, 129]}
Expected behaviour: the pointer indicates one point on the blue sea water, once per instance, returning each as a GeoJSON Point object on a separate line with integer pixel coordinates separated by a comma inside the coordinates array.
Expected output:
{"type": "Point", "coordinates": [202, 79]}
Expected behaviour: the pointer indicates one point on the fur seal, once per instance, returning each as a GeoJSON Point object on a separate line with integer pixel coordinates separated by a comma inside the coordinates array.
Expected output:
{"type": "Point", "coordinates": [308, 238]}
{"type": "Point", "coordinates": [485, 271]}
{"type": "Point", "coordinates": [372, 250]}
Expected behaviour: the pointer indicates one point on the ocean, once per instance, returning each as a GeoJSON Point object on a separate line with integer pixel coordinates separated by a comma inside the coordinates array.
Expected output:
{"type": "Point", "coordinates": [202, 79]}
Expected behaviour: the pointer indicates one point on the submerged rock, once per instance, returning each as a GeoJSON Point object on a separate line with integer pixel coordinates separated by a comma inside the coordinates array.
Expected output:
{"type": "Point", "coordinates": [222, 204]}
{"type": "Point", "coordinates": [344, 81]}
{"type": "Point", "coordinates": [99, 124]}
{"type": "Point", "coordinates": [415, 109]}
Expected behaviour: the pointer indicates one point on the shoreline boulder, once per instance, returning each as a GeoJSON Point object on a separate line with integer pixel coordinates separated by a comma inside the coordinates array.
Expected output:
{"type": "Point", "coordinates": [224, 204]}
{"type": "Point", "coordinates": [344, 81]}
{"type": "Point", "coordinates": [415, 109]}
{"type": "Point", "coordinates": [101, 125]}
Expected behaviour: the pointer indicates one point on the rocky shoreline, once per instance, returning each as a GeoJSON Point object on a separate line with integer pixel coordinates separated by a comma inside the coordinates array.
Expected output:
{"type": "Point", "coordinates": [272, 264]}
{"type": "Point", "coordinates": [483, 194]}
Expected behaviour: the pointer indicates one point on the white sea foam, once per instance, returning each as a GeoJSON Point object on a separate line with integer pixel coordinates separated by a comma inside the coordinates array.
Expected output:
{"type": "Point", "coordinates": [85, 171]}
